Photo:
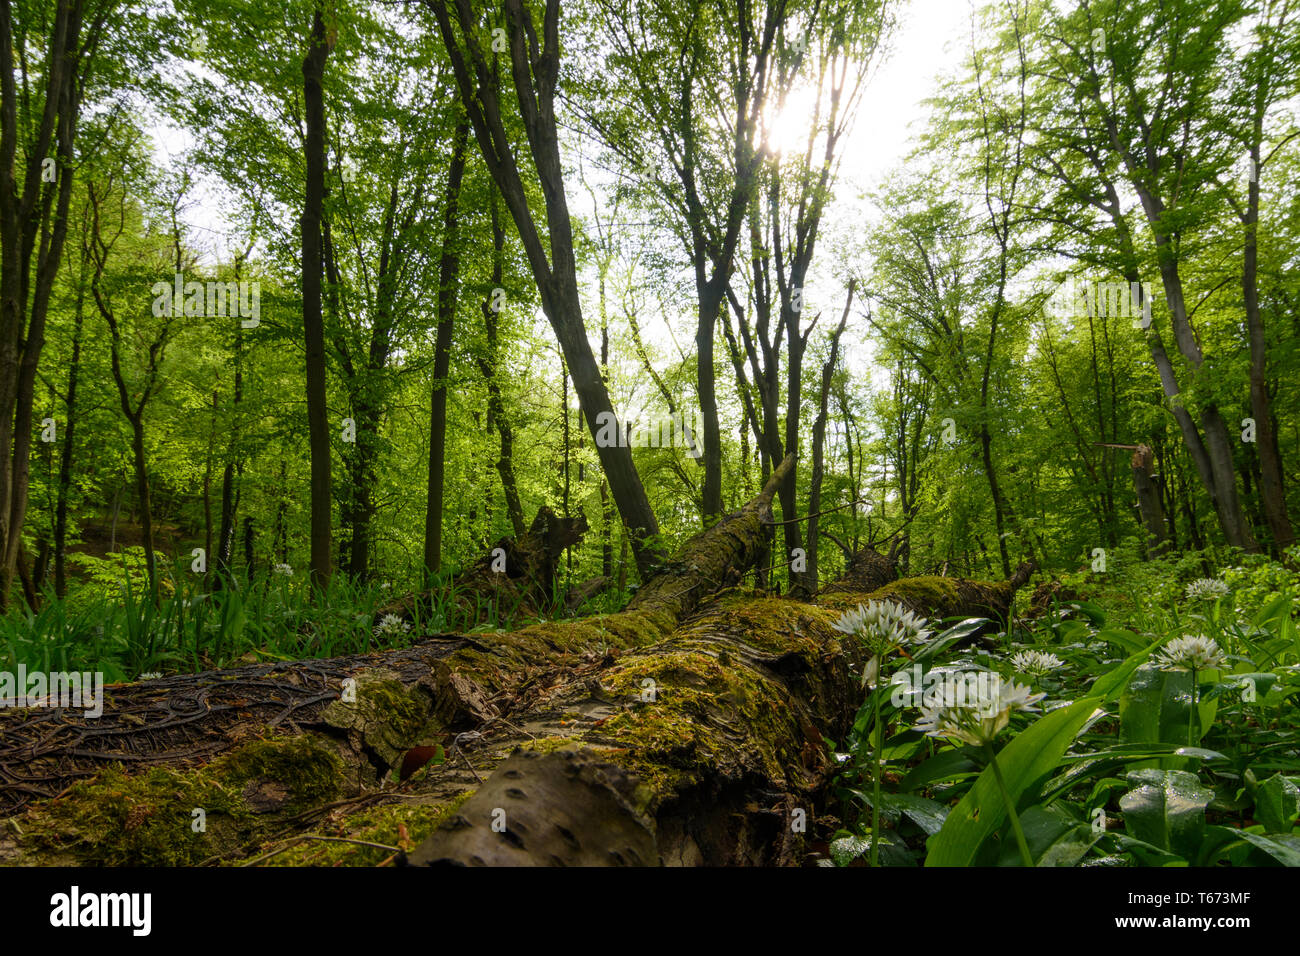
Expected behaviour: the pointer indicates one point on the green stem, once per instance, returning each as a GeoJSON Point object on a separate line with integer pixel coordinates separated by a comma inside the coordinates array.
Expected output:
{"type": "Point", "coordinates": [1025, 855]}
{"type": "Point", "coordinates": [1191, 713]}
{"type": "Point", "coordinates": [875, 775]}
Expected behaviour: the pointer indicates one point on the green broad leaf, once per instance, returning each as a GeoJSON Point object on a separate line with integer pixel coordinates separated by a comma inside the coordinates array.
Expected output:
{"type": "Point", "coordinates": [1095, 615]}
{"type": "Point", "coordinates": [1055, 838]}
{"type": "Point", "coordinates": [1154, 709]}
{"type": "Point", "coordinates": [946, 765]}
{"type": "Point", "coordinates": [1280, 848]}
{"type": "Point", "coordinates": [953, 634]}
{"type": "Point", "coordinates": [1166, 808]}
{"type": "Point", "coordinates": [1104, 762]}
{"type": "Point", "coordinates": [846, 849]}
{"type": "Point", "coordinates": [1277, 804]}
{"type": "Point", "coordinates": [1147, 854]}
{"type": "Point", "coordinates": [1127, 641]}
{"type": "Point", "coordinates": [1028, 759]}
{"type": "Point", "coordinates": [926, 814]}
{"type": "Point", "coordinates": [1272, 614]}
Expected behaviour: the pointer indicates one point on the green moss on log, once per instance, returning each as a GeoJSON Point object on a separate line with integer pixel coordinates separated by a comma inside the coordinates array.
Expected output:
{"type": "Point", "coordinates": [401, 824]}
{"type": "Point", "coordinates": [149, 818]}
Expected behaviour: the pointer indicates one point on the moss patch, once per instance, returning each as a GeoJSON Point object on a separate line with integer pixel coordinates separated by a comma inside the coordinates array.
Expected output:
{"type": "Point", "coordinates": [149, 818]}
{"type": "Point", "coordinates": [387, 717]}
{"type": "Point", "coordinates": [401, 824]}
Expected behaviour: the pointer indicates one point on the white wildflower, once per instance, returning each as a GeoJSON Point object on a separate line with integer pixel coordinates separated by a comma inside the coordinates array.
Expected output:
{"type": "Point", "coordinates": [1035, 663]}
{"type": "Point", "coordinates": [1190, 653]}
{"type": "Point", "coordinates": [391, 624]}
{"type": "Point", "coordinates": [981, 714]}
{"type": "Point", "coordinates": [285, 569]}
{"type": "Point", "coordinates": [884, 625]}
{"type": "Point", "coordinates": [1206, 589]}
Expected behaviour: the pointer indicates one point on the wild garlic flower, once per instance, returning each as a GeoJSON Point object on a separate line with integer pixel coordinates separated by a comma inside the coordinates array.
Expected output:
{"type": "Point", "coordinates": [1206, 589]}
{"type": "Point", "coordinates": [285, 569]}
{"type": "Point", "coordinates": [978, 716]}
{"type": "Point", "coordinates": [884, 626]}
{"type": "Point", "coordinates": [391, 624]}
{"type": "Point", "coordinates": [1190, 653]}
{"type": "Point", "coordinates": [1035, 663]}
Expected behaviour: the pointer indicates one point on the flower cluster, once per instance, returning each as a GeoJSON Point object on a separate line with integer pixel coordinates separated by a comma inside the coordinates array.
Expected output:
{"type": "Point", "coordinates": [979, 718]}
{"type": "Point", "coordinates": [1190, 653]}
{"type": "Point", "coordinates": [884, 626]}
{"type": "Point", "coordinates": [285, 569]}
{"type": "Point", "coordinates": [1206, 589]}
{"type": "Point", "coordinates": [391, 624]}
{"type": "Point", "coordinates": [1035, 663]}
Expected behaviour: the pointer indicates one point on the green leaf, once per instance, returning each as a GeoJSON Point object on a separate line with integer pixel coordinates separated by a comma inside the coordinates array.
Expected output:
{"type": "Point", "coordinates": [1154, 709]}
{"type": "Point", "coordinates": [926, 814]}
{"type": "Point", "coordinates": [846, 849]}
{"type": "Point", "coordinates": [1166, 808]}
{"type": "Point", "coordinates": [945, 765]}
{"type": "Point", "coordinates": [1279, 847]}
{"type": "Point", "coordinates": [1024, 762]}
{"type": "Point", "coordinates": [1277, 804]}
{"type": "Point", "coordinates": [1055, 838]}
{"type": "Point", "coordinates": [1127, 641]}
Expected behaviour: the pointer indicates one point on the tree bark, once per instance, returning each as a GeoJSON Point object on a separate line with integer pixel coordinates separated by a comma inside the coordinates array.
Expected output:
{"type": "Point", "coordinates": [448, 287]}
{"type": "Point", "coordinates": [23, 214]}
{"type": "Point", "coordinates": [313, 72]}
{"type": "Point", "coordinates": [620, 701]}
{"type": "Point", "coordinates": [535, 68]}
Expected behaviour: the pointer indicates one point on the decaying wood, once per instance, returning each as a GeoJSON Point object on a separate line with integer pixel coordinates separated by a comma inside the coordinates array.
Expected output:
{"type": "Point", "coordinates": [686, 729]}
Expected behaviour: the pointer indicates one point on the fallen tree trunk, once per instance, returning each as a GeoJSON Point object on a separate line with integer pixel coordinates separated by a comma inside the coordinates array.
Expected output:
{"type": "Point", "coordinates": [701, 716]}
{"type": "Point", "coordinates": [708, 748]}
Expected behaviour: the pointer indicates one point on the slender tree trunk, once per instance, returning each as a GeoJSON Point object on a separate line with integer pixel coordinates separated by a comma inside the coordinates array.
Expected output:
{"type": "Point", "coordinates": [1272, 492]}
{"type": "Point", "coordinates": [207, 483]}
{"type": "Point", "coordinates": [811, 581]}
{"type": "Point", "coordinates": [448, 286]}
{"type": "Point", "coordinates": [229, 501]}
{"type": "Point", "coordinates": [313, 71]}
{"type": "Point", "coordinates": [711, 297]}
{"type": "Point", "coordinates": [146, 507]}
{"type": "Point", "coordinates": [535, 68]}
{"type": "Point", "coordinates": [24, 213]}
{"type": "Point", "coordinates": [66, 454]}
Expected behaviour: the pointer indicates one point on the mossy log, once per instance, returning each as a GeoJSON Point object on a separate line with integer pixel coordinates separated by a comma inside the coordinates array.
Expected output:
{"type": "Point", "coordinates": [687, 729]}
{"type": "Point", "coordinates": [707, 748]}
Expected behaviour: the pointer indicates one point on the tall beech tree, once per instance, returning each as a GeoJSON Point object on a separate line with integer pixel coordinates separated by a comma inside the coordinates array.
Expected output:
{"type": "Point", "coordinates": [313, 323]}
{"type": "Point", "coordinates": [534, 63]}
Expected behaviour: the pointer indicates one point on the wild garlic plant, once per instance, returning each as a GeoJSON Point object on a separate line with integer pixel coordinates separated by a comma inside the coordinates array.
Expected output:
{"type": "Point", "coordinates": [975, 713]}
{"type": "Point", "coordinates": [1191, 653]}
{"type": "Point", "coordinates": [885, 628]}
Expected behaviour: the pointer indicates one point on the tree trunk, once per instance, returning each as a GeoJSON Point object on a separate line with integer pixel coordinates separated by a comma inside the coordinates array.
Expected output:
{"type": "Point", "coordinates": [535, 75]}
{"type": "Point", "coordinates": [24, 213]}
{"type": "Point", "coordinates": [1149, 504]}
{"type": "Point", "coordinates": [313, 72]}
{"type": "Point", "coordinates": [811, 580]}
{"type": "Point", "coordinates": [614, 698]}
{"type": "Point", "coordinates": [448, 286]}
{"type": "Point", "coordinates": [1272, 493]}
{"type": "Point", "coordinates": [146, 507]}
{"type": "Point", "coordinates": [66, 453]}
